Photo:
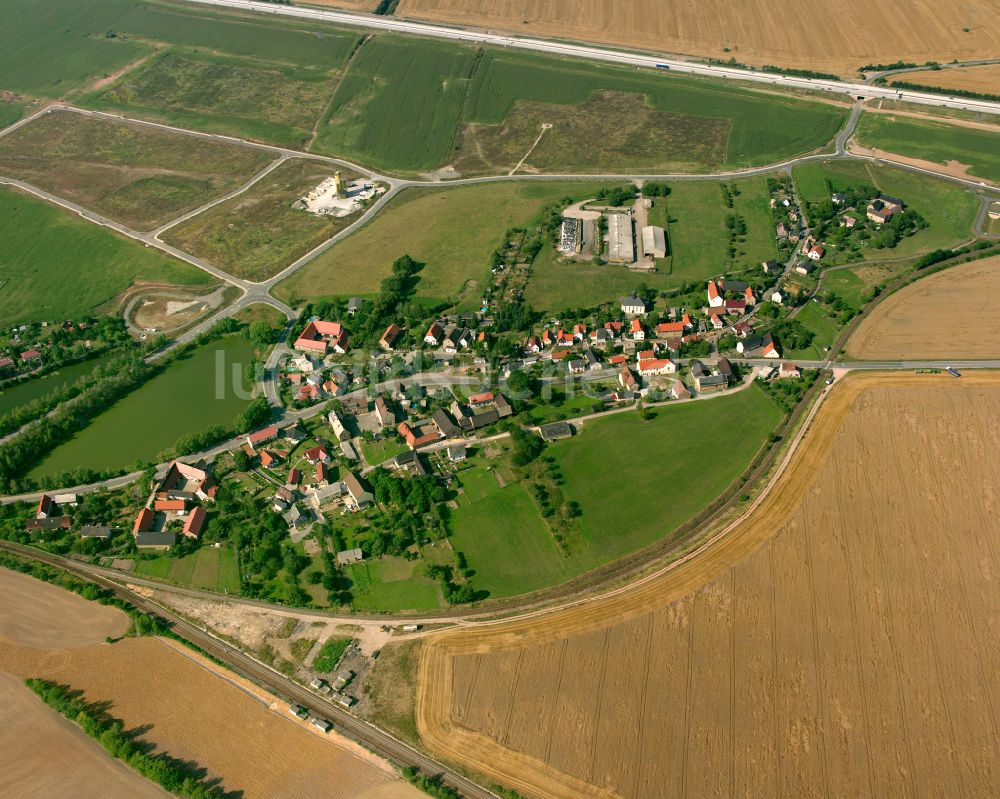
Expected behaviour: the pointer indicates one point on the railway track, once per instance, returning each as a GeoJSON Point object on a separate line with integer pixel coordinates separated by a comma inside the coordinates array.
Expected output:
{"type": "Point", "coordinates": [376, 740]}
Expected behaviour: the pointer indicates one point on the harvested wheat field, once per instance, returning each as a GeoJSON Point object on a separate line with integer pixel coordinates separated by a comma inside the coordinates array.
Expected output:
{"type": "Point", "coordinates": [236, 732]}
{"type": "Point", "coordinates": [40, 615]}
{"type": "Point", "coordinates": [842, 640]}
{"type": "Point", "coordinates": [984, 79]}
{"type": "Point", "coordinates": [755, 32]}
{"type": "Point", "coordinates": [75, 767]}
{"type": "Point", "coordinates": [193, 709]}
{"type": "Point", "coordinates": [954, 313]}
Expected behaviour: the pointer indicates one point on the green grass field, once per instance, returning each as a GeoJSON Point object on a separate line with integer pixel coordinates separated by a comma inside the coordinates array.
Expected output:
{"type": "Point", "coordinates": [56, 266]}
{"type": "Point", "coordinates": [50, 48]}
{"type": "Point", "coordinates": [377, 452]}
{"type": "Point", "coordinates": [257, 233]}
{"type": "Point", "coordinates": [950, 210]}
{"type": "Point", "coordinates": [452, 231]}
{"type": "Point", "coordinates": [698, 235]}
{"type": "Point", "coordinates": [54, 48]}
{"type": "Point", "coordinates": [847, 285]}
{"type": "Point", "coordinates": [274, 104]}
{"type": "Point", "coordinates": [399, 104]}
{"type": "Point", "coordinates": [275, 40]}
{"type": "Point", "coordinates": [939, 142]}
{"type": "Point", "coordinates": [10, 113]}
{"type": "Point", "coordinates": [209, 568]}
{"type": "Point", "coordinates": [694, 125]}
{"type": "Point", "coordinates": [816, 318]}
{"type": "Point", "coordinates": [636, 481]}
{"type": "Point", "coordinates": [406, 104]}
{"type": "Point", "coordinates": [503, 536]}
{"type": "Point", "coordinates": [392, 584]}
{"type": "Point", "coordinates": [136, 175]}
{"type": "Point", "coordinates": [557, 285]}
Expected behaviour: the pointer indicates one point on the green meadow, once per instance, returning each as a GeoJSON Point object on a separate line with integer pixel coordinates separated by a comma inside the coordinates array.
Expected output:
{"type": "Point", "coordinates": [636, 481]}
{"type": "Point", "coordinates": [928, 140]}
{"type": "Point", "coordinates": [56, 266]}
{"type": "Point", "coordinates": [209, 568]}
{"type": "Point", "coordinates": [451, 231]}
{"type": "Point", "coordinates": [398, 105]}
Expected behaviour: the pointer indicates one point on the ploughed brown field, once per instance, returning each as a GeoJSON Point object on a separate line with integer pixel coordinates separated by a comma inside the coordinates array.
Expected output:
{"type": "Point", "coordinates": [954, 313]}
{"type": "Point", "coordinates": [841, 640]}
{"type": "Point", "coordinates": [829, 35]}
{"type": "Point", "coordinates": [182, 704]}
{"type": "Point", "coordinates": [984, 79]}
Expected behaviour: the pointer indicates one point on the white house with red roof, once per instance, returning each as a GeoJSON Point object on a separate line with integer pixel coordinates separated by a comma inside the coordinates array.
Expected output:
{"type": "Point", "coordinates": [788, 370]}
{"type": "Point", "coordinates": [484, 398]}
{"type": "Point", "coordinates": [261, 436]}
{"type": "Point", "coordinates": [674, 329]}
{"type": "Point", "coordinates": [715, 298]}
{"type": "Point", "coordinates": [388, 340]}
{"type": "Point", "coordinates": [816, 252]}
{"type": "Point", "coordinates": [322, 337]}
{"type": "Point", "coordinates": [656, 366]}
{"type": "Point", "coordinates": [317, 454]}
{"type": "Point", "coordinates": [195, 522]}
{"type": "Point", "coordinates": [434, 335]}
{"type": "Point", "coordinates": [637, 331]}
{"type": "Point", "coordinates": [627, 380]}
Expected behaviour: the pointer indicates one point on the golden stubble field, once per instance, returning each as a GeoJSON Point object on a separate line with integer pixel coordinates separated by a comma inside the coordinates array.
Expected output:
{"type": "Point", "coordinates": [831, 36]}
{"type": "Point", "coordinates": [954, 313]}
{"type": "Point", "coordinates": [185, 706]}
{"type": "Point", "coordinates": [840, 641]}
{"type": "Point", "coordinates": [984, 79]}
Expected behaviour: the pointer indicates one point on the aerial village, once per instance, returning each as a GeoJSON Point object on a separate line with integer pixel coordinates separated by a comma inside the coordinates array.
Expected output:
{"type": "Point", "coordinates": [431, 399]}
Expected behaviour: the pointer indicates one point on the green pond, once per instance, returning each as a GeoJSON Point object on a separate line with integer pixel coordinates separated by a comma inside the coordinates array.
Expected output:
{"type": "Point", "coordinates": [195, 392]}
{"type": "Point", "coordinates": [37, 387]}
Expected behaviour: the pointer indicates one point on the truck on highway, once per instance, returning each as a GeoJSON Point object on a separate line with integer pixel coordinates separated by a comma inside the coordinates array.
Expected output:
{"type": "Point", "coordinates": [953, 371]}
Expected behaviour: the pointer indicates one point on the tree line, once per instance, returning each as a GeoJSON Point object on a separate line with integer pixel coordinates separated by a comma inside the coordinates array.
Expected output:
{"type": "Point", "coordinates": [170, 773]}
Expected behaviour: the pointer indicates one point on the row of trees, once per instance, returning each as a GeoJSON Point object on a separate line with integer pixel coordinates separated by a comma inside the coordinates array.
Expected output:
{"type": "Point", "coordinates": [24, 449]}
{"type": "Point", "coordinates": [20, 415]}
{"type": "Point", "coordinates": [172, 774]}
